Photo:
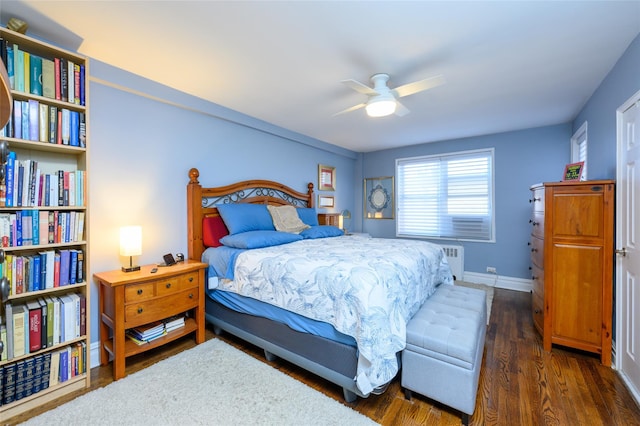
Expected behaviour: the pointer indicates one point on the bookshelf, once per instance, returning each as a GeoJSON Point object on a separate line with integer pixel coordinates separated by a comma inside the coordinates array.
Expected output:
{"type": "Point", "coordinates": [43, 220]}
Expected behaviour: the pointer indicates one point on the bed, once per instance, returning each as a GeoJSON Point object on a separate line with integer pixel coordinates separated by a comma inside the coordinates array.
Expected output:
{"type": "Point", "coordinates": [332, 304]}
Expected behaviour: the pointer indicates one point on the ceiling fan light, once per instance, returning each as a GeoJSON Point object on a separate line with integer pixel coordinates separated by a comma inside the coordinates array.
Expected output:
{"type": "Point", "coordinates": [381, 108]}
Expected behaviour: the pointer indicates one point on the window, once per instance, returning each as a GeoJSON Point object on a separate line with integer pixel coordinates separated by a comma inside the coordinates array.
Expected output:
{"type": "Point", "coordinates": [447, 196]}
{"type": "Point", "coordinates": [579, 148]}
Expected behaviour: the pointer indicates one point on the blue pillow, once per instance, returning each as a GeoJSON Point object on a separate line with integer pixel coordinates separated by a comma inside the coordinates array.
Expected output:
{"type": "Point", "coordinates": [321, 231]}
{"type": "Point", "coordinates": [246, 217]}
{"type": "Point", "coordinates": [308, 216]}
{"type": "Point", "coordinates": [259, 239]}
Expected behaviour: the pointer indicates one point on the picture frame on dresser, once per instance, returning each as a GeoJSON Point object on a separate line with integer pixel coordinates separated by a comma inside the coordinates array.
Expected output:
{"type": "Point", "coordinates": [573, 171]}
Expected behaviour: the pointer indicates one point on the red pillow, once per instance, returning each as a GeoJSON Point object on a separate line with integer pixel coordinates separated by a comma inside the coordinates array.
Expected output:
{"type": "Point", "coordinates": [213, 228]}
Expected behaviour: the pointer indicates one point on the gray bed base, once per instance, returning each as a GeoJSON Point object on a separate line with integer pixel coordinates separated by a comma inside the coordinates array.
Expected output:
{"type": "Point", "coordinates": [333, 361]}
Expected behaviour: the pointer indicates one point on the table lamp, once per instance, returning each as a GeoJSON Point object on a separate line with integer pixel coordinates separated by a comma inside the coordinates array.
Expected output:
{"type": "Point", "coordinates": [130, 245]}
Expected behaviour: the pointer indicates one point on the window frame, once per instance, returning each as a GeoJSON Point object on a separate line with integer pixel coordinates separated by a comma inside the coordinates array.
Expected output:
{"type": "Point", "coordinates": [459, 154]}
{"type": "Point", "coordinates": [579, 138]}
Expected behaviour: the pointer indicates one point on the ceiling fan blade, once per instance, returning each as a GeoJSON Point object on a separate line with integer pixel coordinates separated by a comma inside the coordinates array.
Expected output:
{"type": "Point", "coordinates": [401, 110]}
{"type": "Point", "coordinates": [360, 87]}
{"type": "Point", "coordinates": [418, 86]}
{"type": "Point", "coordinates": [353, 108]}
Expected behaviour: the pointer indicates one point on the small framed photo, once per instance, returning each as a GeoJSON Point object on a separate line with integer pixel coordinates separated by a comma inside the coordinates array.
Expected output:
{"type": "Point", "coordinates": [573, 171]}
{"type": "Point", "coordinates": [326, 201]}
{"type": "Point", "coordinates": [326, 178]}
{"type": "Point", "coordinates": [378, 198]}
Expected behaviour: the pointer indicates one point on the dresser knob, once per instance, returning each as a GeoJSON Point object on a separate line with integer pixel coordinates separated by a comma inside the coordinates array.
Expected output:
{"type": "Point", "coordinates": [190, 295]}
{"type": "Point", "coordinates": [533, 250]}
{"type": "Point", "coordinates": [533, 277]}
{"type": "Point", "coordinates": [535, 223]}
{"type": "Point", "coordinates": [168, 285]}
{"type": "Point", "coordinates": [190, 279]}
{"type": "Point", "coordinates": [537, 311]}
{"type": "Point", "coordinates": [139, 291]}
{"type": "Point", "coordinates": [140, 310]}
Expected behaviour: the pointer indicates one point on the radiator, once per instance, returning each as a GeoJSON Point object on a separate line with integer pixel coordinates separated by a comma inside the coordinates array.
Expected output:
{"type": "Point", "coordinates": [455, 256]}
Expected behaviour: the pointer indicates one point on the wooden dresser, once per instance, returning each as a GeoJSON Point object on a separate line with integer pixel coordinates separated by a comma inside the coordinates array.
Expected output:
{"type": "Point", "coordinates": [329, 219]}
{"type": "Point", "coordinates": [572, 233]}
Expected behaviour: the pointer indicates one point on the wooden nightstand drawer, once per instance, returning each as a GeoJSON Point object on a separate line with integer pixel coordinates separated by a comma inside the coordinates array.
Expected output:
{"type": "Point", "coordinates": [145, 312]}
{"type": "Point", "coordinates": [168, 286]}
{"type": "Point", "coordinates": [189, 280]}
{"type": "Point", "coordinates": [138, 292]}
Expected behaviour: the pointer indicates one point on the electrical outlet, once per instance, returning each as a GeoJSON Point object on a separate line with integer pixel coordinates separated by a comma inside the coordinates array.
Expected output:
{"type": "Point", "coordinates": [491, 270]}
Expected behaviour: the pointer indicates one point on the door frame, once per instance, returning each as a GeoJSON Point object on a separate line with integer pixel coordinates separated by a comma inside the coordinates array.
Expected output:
{"type": "Point", "coordinates": [618, 270]}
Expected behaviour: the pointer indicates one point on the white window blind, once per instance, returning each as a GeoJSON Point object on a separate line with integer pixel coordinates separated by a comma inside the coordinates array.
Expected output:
{"type": "Point", "coordinates": [446, 196]}
{"type": "Point", "coordinates": [579, 148]}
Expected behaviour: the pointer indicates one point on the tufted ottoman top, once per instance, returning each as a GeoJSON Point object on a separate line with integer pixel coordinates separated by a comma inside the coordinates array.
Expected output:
{"type": "Point", "coordinates": [448, 325]}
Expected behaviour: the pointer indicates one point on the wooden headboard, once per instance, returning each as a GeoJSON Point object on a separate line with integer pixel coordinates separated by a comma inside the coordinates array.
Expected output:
{"type": "Point", "coordinates": [201, 202]}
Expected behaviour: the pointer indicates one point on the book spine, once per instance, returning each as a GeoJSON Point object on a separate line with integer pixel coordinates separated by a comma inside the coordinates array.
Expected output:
{"type": "Point", "coordinates": [34, 120]}
{"type": "Point", "coordinates": [57, 79]}
{"type": "Point", "coordinates": [35, 81]}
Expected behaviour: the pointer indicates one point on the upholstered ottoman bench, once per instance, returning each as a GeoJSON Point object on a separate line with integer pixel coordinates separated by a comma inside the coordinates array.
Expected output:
{"type": "Point", "coordinates": [445, 344]}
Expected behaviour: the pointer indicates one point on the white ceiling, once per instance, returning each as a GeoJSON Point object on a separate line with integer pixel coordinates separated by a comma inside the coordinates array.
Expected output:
{"type": "Point", "coordinates": [508, 65]}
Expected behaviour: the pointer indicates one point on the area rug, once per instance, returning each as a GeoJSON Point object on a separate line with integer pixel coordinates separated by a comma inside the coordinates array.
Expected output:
{"type": "Point", "coordinates": [210, 384]}
{"type": "Point", "coordinates": [486, 288]}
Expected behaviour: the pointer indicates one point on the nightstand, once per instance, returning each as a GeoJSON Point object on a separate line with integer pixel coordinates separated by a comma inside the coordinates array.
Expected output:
{"type": "Point", "coordinates": [329, 219]}
{"type": "Point", "coordinates": [133, 299]}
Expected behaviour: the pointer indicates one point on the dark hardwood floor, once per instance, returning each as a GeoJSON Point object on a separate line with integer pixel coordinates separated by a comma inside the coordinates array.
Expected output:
{"type": "Point", "coordinates": [520, 383]}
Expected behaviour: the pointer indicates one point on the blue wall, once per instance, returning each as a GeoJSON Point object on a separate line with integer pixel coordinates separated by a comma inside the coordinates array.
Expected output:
{"type": "Point", "coordinates": [144, 138]}
{"type": "Point", "coordinates": [522, 159]}
{"type": "Point", "coordinates": [600, 112]}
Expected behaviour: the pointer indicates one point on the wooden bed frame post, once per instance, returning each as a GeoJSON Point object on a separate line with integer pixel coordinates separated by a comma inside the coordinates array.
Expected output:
{"type": "Point", "coordinates": [194, 216]}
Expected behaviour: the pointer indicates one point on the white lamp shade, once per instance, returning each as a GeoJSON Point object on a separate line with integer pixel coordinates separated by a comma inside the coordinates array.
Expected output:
{"type": "Point", "coordinates": [381, 108]}
{"type": "Point", "coordinates": [131, 241]}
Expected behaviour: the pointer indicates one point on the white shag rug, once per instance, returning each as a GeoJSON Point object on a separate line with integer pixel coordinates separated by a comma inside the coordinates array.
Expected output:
{"type": "Point", "coordinates": [210, 384]}
{"type": "Point", "coordinates": [486, 288]}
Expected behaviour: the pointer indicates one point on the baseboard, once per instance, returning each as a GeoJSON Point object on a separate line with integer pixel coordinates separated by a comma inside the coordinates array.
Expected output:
{"type": "Point", "coordinates": [499, 281]}
{"type": "Point", "coordinates": [95, 354]}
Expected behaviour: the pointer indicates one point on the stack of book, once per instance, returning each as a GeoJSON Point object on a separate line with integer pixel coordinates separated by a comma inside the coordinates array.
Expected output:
{"type": "Point", "coordinates": [173, 323]}
{"type": "Point", "coordinates": [147, 332]}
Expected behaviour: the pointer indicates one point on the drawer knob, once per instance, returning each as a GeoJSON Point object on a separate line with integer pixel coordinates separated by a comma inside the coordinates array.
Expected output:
{"type": "Point", "coordinates": [537, 311]}
{"type": "Point", "coordinates": [533, 250]}
{"type": "Point", "coordinates": [190, 279]}
{"type": "Point", "coordinates": [535, 223]}
{"type": "Point", "coordinates": [140, 310]}
{"type": "Point", "coordinates": [139, 291]}
{"type": "Point", "coordinates": [535, 199]}
{"type": "Point", "coordinates": [190, 295]}
{"type": "Point", "coordinates": [533, 277]}
{"type": "Point", "coordinates": [168, 285]}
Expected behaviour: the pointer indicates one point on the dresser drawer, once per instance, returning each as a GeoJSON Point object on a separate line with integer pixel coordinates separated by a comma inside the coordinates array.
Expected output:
{"type": "Point", "coordinates": [537, 224]}
{"type": "Point", "coordinates": [536, 246]}
{"type": "Point", "coordinates": [139, 292]}
{"type": "Point", "coordinates": [162, 307]}
{"type": "Point", "coordinates": [537, 200]}
{"type": "Point", "coordinates": [537, 276]}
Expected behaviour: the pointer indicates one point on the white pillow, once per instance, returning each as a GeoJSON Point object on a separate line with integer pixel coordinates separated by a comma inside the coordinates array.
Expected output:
{"type": "Point", "coordinates": [286, 219]}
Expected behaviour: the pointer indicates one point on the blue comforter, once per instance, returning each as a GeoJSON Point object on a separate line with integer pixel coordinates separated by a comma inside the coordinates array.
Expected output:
{"type": "Point", "coordinates": [367, 288]}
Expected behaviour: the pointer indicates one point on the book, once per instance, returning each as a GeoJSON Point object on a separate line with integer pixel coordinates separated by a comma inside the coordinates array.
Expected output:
{"type": "Point", "coordinates": [57, 78]}
{"type": "Point", "coordinates": [35, 325]}
{"type": "Point", "coordinates": [20, 333]}
{"type": "Point", "coordinates": [83, 314]}
{"type": "Point", "coordinates": [17, 119]}
{"type": "Point", "coordinates": [73, 266]}
{"type": "Point", "coordinates": [26, 59]}
{"type": "Point", "coordinates": [8, 309]}
{"type": "Point", "coordinates": [18, 68]}
{"type": "Point", "coordinates": [34, 120]}
{"type": "Point", "coordinates": [74, 128]}
{"type": "Point", "coordinates": [54, 368]}
{"type": "Point", "coordinates": [53, 124]}
{"type": "Point", "coordinates": [43, 123]}
{"type": "Point", "coordinates": [80, 271]}
{"type": "Point", "coordinates": [71, 82]}
{"type": "Point", "coordinates": [10, 194]}
{"type": "Point", "coordinates": [46, 370]}
{"type": "Point", "coordinates": [50, 320]}
{"type": "Point", "coordinates": [35, 80]}
{"type": "Point", "coordinates": [4, 355]}
{"type": "Point", "coordinates": [45, 319]}
{"type": "Point", "coordinates": [48, 79]}
{"type": "Point", "coordinates": [65, 259]}
{"type": "Point", "coordinates": [9, 385]}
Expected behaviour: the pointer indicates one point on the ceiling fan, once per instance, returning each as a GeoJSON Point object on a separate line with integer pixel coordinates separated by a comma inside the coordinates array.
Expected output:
{"type": "Point", "coordinates": [382, 100]}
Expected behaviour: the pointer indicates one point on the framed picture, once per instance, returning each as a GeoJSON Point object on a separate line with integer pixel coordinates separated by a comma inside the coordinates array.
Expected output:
{"type": "Point", "coordinates": [573, 171]}
{"type": "Point", "coordinates": [378, 198]}
{"type": "Point", "coordinates": [326, 178]}
{"type": "Point", "coordinates": [325, 201]}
